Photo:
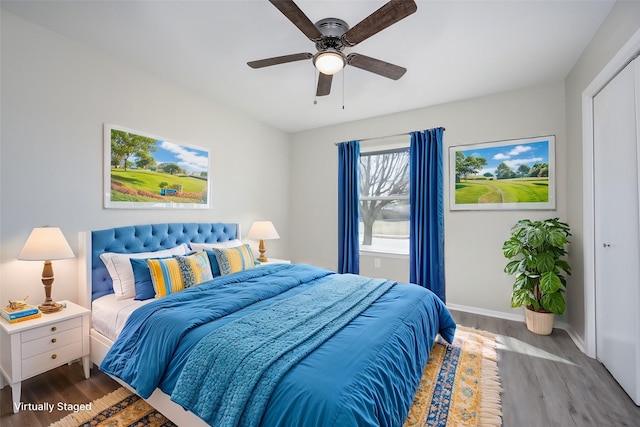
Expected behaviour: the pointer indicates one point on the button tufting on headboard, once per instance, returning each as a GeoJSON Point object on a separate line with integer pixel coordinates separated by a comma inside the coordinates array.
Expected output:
{"type": "Point", "coordinates": [149, 238]}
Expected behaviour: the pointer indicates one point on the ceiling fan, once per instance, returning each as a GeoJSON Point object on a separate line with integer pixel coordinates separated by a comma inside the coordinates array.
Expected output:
{"type": "Point", "coordinates": [332, 35]}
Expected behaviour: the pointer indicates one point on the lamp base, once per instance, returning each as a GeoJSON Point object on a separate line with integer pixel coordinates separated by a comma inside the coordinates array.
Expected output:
{"type": "Point", "coordinates": [262, 248]}
{"type": "Point", "coordinates": [50, 307]}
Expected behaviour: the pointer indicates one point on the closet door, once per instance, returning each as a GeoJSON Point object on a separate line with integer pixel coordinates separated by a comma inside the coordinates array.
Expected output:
{"type": "Point", "coordinates": [617, 229]}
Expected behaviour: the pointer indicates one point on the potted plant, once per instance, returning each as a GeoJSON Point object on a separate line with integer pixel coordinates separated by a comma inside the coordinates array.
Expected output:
{"type": "Point", "coordinates": [535, 251]}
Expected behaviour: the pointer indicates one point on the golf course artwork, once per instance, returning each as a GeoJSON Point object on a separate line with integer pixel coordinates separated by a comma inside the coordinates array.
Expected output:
{"type": "Point", "coordinates": [502, 175]}
{"type": "Point", "coordinates": [146, 171]}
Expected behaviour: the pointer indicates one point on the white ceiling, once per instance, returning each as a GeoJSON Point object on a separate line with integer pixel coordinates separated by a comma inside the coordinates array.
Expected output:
{"type": "Point", "coordinates": [453, 50]}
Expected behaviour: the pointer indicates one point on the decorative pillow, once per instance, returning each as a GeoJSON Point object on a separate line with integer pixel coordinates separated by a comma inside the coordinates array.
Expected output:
{"type": "Point", "coordinates": [213, 261]}
{"type": "Point", "coordinates": [235, 259]}
{"type": "Point", "coordinates": [219, 245]}
{"type": "Point", "coordinates": [143, 282]}
{"type": "Point", "coordinates": [172, 275]}
{"type": "Point", "coordinates": [207, 247]}
{"type": "Point", "coordinates": [121, 271]}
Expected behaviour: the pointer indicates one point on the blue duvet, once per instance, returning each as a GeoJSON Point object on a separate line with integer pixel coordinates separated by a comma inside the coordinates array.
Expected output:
{"type": "Point", "coordinates": [354, 360]}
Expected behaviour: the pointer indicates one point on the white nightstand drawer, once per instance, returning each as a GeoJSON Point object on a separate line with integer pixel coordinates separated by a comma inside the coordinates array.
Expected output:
{"type": "Point", "coordinates": [45, 331]}
{"type": "Point", "coordinates": [51, 342]}
{"type": "Point", "coordinates": [51, 359]}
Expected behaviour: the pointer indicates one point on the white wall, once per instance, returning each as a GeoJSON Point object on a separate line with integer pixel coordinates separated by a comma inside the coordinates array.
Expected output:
{"type": "Point", "coordinates": [56, 96]}
{"type": "Point", "coordinates": [473, 240]}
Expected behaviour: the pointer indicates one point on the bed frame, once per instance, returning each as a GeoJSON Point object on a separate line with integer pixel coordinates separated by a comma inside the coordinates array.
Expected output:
{"type": "Point", "coordinates": [94, 280]}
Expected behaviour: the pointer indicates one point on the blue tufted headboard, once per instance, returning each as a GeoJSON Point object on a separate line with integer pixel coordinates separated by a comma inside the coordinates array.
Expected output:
{"type": "Point", "coordinates": [94, 278]}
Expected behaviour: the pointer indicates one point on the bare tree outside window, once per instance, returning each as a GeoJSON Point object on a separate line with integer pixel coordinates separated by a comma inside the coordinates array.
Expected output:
{"type": "Point", "coordinates": [384, 198]}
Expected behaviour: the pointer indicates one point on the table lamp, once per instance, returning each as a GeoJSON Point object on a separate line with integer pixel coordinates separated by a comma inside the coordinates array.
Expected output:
{"type": "Point", "coordinates": [46, 244]}
{"type": "Point", "coordinates": [262, 230]}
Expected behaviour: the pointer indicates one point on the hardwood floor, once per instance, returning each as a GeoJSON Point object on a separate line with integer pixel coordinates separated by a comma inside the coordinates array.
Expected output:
{"type": "Point", "coordinates": [546, 382]}
{"type": "Point", "coordinates": [65, 384]}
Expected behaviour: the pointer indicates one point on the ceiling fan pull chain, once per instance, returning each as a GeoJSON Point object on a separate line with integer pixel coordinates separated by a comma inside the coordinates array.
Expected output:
{"type": "Point", "coordinates": [343, 73]}
{"type": "Point", "coordinates": [315, 84]}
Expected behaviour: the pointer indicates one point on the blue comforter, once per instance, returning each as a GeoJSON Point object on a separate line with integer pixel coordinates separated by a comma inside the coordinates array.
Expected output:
{"type": "Point", "coordinates": [365, 373]}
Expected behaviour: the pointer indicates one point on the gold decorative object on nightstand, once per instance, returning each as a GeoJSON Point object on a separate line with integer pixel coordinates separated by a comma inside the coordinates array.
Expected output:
{"type": "Point", "coordinates": [17, 305]}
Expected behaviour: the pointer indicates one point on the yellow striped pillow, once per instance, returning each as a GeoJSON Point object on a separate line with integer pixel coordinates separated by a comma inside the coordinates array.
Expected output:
{"type": "Point", "coordinates": [235, 259]}
{"type": "Point", "coordinates": [170, 275]}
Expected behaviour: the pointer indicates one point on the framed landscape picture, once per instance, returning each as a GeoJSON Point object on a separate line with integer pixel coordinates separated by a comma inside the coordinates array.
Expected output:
{"type": "Point", "coordinates": [147, 171]}
{"type": "Point", "coordinates": [502, 175]}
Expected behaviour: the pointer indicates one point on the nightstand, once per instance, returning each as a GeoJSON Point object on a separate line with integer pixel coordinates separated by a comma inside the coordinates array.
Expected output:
{"type": "Point", "coordinates": [272, 261]}
{"type": "Point", "coordinates": [38, 345]}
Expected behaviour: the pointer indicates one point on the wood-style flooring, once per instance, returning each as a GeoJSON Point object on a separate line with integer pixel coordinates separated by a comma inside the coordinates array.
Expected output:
{"type": "Point", "coordinates": [547, 381]}
{"type": "Point", "coordinates": [65, 384]}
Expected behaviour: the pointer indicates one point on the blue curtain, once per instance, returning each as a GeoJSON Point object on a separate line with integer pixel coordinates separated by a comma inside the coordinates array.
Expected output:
{"type": "Point", "coordinates": [426, 232]}
{"type": "Point", "coordinates": [348, 208]}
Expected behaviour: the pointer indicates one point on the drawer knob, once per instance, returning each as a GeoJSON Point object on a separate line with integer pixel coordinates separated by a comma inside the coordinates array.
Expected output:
{"type": "Point", "coordinates": [54, 328]}
{"type": "Point", "coordinates": [54, 356]}
{"type": "Point", "coordinates": [53, 340]}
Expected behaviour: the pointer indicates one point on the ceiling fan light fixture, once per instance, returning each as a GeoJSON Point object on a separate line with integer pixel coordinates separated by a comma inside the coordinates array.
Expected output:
{"type": "Point", "coordinates": [329, 62]}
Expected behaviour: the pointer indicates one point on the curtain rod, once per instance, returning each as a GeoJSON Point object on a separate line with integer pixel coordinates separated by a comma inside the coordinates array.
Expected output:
{"type": "Point", "coordinates": [382, 137]}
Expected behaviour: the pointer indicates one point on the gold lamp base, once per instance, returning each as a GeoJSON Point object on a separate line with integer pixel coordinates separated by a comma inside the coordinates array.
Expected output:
{"type": "Point", "coordinates": [50, 307]}
{"type": "Point", "coordinates": [262, 248]}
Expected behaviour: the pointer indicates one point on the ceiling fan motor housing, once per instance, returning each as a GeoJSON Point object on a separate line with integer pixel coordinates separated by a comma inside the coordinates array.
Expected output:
{"type": "Point", "coordinates": [332, 30]}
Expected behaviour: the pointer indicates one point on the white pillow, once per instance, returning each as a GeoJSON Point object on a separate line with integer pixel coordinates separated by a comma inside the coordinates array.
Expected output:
{"type": "Point", "coordinates": [121, 272]}
{"type": "Point", "coordinates": [219, 245]}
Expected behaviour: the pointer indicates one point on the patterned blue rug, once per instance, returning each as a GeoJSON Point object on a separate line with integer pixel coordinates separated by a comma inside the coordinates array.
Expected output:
{"type": "Point", "coordinates": [460, 385]}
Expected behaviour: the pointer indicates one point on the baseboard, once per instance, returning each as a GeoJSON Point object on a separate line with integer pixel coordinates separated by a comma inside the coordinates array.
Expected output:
{"type": "Point", "coordinates": [491, 313]}
{"type": "Point", "coordinates": [577, 340]}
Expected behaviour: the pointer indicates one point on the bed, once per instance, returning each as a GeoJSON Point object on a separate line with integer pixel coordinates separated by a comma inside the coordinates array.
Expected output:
{"type": "Point", "coordinates": [280, 344]}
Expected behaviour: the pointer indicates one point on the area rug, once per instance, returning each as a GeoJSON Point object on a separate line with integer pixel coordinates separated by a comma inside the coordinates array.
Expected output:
{"type": "Point", "coordinates": [120, 408]}
{"type": "Point", "coordinates": [460, 387]}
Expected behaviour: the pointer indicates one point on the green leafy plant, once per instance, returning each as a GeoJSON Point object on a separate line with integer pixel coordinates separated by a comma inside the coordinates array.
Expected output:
{"type": "Point", "coordinates": [535, 251]}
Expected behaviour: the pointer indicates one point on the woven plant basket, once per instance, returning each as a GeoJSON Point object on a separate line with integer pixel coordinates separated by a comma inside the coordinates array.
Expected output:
{"type": "Point", "coordinates": [538, 323]}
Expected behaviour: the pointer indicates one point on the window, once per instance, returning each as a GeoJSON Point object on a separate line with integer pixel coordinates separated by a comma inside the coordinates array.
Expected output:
{"type": "Point", "coordinates": [384, 200]}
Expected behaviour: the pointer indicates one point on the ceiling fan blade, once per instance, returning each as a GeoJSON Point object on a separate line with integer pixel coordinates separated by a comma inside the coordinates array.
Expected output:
{"type": "Point", "coordinates": [279, 60]}
{"type": "Point", "coordinates": [298, 18]}
{"type": "Point", "coordinates": [324, 84]}
{"type": "Point", "coordinates": [382, 18]}
{"type": "Point", "coordinates": [377, 66]}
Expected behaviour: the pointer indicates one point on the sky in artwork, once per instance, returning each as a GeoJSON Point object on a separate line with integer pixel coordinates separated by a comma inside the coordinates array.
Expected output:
{"type": "Point", "coordinates": [188, 158]}
{"type": "Point", "coordinates": [514, 155]}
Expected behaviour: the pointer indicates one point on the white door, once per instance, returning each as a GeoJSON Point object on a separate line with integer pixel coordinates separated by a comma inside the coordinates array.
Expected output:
{"type": "Point", "coordinates": [617, 232]}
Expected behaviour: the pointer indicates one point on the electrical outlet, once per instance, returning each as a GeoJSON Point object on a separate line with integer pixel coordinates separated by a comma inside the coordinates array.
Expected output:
{"type": "Point", "coordinates": [376, 262]}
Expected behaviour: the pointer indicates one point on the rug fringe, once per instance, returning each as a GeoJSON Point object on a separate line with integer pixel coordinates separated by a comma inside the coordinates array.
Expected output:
{"type": "Point", "coordinates": [491, 406]}
{"type": "Point", "coordinates": [99, 405]}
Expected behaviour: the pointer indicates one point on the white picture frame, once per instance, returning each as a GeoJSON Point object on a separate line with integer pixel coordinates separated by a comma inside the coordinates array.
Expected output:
{"type": "Point", "coordinates": [144, 171]}
{"type": "Point", "coordinates": [514, 174]}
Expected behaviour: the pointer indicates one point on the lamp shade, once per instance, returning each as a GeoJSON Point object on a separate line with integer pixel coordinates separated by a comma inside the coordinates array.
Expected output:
{"type": "Point", "coordinates": [46, 244]}
{"type": "Point", "coordinates": [263, 230]}
{"type": "Point", "coordinates": [329, 62]}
